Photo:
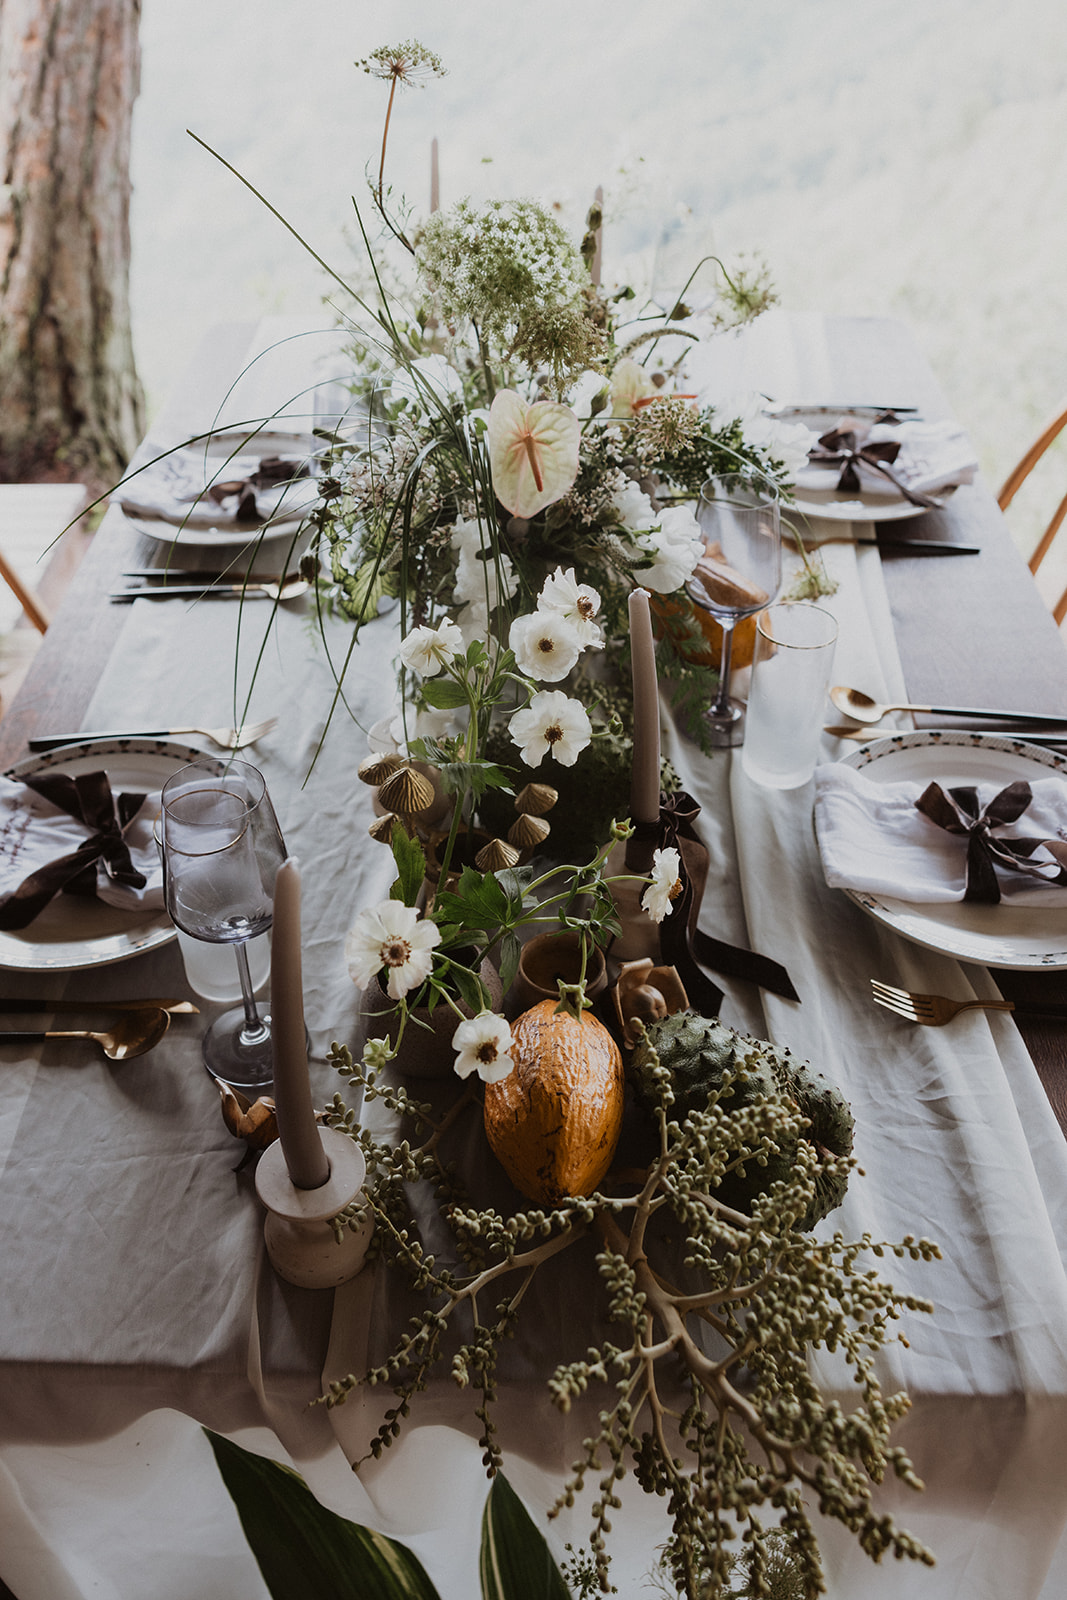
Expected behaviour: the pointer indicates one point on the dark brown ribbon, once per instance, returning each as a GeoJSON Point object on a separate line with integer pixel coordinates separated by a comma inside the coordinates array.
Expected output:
{"type": "Point", "coordinates": [845, 448]}
{"type": "Point", "coordinates": [958, 812]}
{"type": "Point", "coordinates": [681, 941]}
{"type": "Point", "coordinates": [271, 471]}
{"type": "Point", "coordinates": [87, 798]}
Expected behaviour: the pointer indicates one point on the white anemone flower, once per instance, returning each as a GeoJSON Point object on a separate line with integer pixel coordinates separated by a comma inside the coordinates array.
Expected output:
{"type": "Point", "coordinates": [546, 645]}
{"type": "Point", "coordinates": [427, 650]}
{"type": "Point", "coordinates": [634, 508]}
{"type": "Point", "coordinates": [675, 547]}
{"type": "Point", "coordinates": [552, 722]}
{"type": "Point", "coordinates": [481, 582]}
{"type": "Point", "coordinates": [576, 602]}
{"type": "Point", "coordinates": [665, 884]}
{"type": "Point", "coordinates": [392, 938]}
{"type": "Point", "coordinates": [483, 1045]}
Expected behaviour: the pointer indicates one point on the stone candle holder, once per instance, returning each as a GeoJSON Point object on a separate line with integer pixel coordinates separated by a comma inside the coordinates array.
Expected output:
{"type": "Point", "coordinates": [300, 1242]}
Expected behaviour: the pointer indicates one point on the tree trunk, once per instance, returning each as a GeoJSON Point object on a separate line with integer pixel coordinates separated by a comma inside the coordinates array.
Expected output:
{"type": "Point", "coordinates": [70, 401]}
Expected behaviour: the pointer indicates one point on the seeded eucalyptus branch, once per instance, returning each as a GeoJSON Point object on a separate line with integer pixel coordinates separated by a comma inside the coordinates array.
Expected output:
{"type": "Point", "coordinates": [711, 1401]}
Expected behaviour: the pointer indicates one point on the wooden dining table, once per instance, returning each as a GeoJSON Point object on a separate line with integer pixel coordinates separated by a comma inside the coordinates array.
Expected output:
{"type": "Point", "coordinates": [969, 630]}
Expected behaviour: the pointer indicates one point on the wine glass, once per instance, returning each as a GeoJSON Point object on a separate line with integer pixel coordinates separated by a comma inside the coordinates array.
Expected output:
{"type": "Point", "coordinates": [222, 848]}
{"type": "Point", "coordinates": [739, 574]}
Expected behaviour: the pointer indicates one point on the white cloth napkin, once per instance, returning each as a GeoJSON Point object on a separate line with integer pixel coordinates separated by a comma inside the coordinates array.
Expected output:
{"type": "Point", "coordinates": [873, 839]}
{"type": "Point", "coordinates": [34, 832]}
{"type": "Point", "coordinates": [933, 456]}
{"type": "Point", "coordinates": [176, 487]}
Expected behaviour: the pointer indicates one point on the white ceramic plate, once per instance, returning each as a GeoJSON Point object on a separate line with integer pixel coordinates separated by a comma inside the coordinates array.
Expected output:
{"type": "Point", "coordinates": [220, 447]}
{"type": "Point", "coordinates": [996, 936]}
{"type": "Point", "coordinates": [72, 932]}
{"type": "Point", "coordinates": [838, 506]}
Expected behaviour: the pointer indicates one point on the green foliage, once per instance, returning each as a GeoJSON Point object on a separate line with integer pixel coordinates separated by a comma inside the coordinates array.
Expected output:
{"type": "Point", "coordinates": [515, 1563]}
{"type": "Point", "coordinates": [410, 861]}
{"type": "Point", "coordinates": [735, 1318]}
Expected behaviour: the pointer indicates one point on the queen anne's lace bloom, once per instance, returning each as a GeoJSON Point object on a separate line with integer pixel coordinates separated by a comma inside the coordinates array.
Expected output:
{"type": "Point", "coordinates": [392, 938]}
{"type": "Point", "coordinates": [483, 1045]}
{"type": "Point", "coordinates": [552, 722]}
{"type": "Point", "coordinates": [666, 884]}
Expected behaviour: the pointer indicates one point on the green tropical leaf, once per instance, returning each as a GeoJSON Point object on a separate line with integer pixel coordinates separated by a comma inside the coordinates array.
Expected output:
{"type": "Point", "coordinates": [510, 951]}
{"type": "Point", "coordinates": [410, 861]}
{"type": "Point", "coordinates": [515, 1561]}
{"type": "Point", "coordinates": [304, 1549]}
{"type": "Point", "coordinates": [479, 901]}
{"type": "Point", "coordinates": [444, 694]}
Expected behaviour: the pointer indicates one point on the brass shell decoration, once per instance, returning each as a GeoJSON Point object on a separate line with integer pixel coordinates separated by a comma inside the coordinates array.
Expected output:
{"type": "Point", "coordinates": [496, 855]}
{"type": "Point", "coordinates": [382, 827]}
{"type": "Point", "coordinates": [375, 769]}
{"type": "Point", "coordinates": [535, 800]}
{"type": "Point", "coordinates": [528, 832]}
{"type": "Point", "coordinates": [406, 792]}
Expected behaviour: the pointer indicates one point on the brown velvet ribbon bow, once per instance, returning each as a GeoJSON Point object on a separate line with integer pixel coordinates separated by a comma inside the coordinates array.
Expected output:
{"type": "Point", "coordinates": [845, 447]}
{"type": "Point", "coordinates": [958, 812]}
{"type": "Point", "coordinates": [271, 471]}
{"type": "Point", "coordinates": [681, 941]}
{"type": "Point", "coordinates": [89, 799]}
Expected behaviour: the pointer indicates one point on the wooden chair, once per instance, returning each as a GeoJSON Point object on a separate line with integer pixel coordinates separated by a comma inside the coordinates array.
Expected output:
{"type": "Point", "coordinates": [1017, 477]}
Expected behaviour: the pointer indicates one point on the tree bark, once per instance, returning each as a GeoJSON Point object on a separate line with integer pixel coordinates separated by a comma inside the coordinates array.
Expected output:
{"type": "Point", "coordinates": [70, 401]}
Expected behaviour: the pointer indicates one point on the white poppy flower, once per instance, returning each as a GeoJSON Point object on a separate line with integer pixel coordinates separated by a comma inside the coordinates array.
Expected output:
{"type": "Point", "coordinates": [576, 602]}
{"type": "Point", "coordinates": [483, 1045]}
{"type": "Point", "coordinates": [675, 546]}
{"type": "Point", "coordinates": [551, 722]}
{"type": "Point", "coordinates": [665, 886]}
{"type": "Point", "coordinates": [427, 650]}
{"type": "Point", "coordinates": [392, 938]}
{"type": "Point", "coordinates": [634, 508]}
{"type": "Point", "coordinates": [546, 645]}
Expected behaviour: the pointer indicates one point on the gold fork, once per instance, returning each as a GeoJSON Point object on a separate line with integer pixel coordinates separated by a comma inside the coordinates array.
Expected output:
{"type": "Point", "coordinates": [225, 738]}
{"type": "Point", "coordinates": [932, 1009]}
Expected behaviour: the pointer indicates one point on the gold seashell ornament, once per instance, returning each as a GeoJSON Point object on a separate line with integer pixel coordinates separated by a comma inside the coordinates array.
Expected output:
{"type": "Point", "coordinates": [382, 827]}
{"type": "Point", "coordinates": [496, 855]}
{"type": "Point", "coordinates": [406, 792]}
{"type": "Point", "coordinates": [535, 799]}
{"type": "Point", "coordinates": [528, 832]}
{"type": "Point", "coordinates": [374, 769]}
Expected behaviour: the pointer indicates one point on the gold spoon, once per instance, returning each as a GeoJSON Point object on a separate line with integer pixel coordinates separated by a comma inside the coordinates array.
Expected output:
{"type": "Point", "coordinates": [861, 708]}
{"type": "Point", "coordinates": [136, 1034]}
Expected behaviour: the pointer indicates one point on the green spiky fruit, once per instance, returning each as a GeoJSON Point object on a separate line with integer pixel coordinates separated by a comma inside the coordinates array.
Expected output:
{"type": "Point", "coordinates": [701, 1053]}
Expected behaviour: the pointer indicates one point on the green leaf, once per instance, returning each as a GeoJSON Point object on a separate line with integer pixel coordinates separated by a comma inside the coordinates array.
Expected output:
{"type": "Point", "coordinates": [443, 694]}
{"type": "Point", "coordinates": [469, 987]}
{"type": "Point", "coordinates": [515, 1561]}
{"type": "Point", "coordinates": [472, 777]}
{"type": "Point", "coordinates": [510, 951]}
{"type": "Point", "coordinates": [479, 901]}
{"type": "Point", "coordinates": [304, 1549]}
{"type": "Point", "coordinates": [410, 861]}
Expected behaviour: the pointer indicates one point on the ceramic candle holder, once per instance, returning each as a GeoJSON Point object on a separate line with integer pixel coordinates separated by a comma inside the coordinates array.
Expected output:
{"type": "Point", "coordinates": [300, 1242]}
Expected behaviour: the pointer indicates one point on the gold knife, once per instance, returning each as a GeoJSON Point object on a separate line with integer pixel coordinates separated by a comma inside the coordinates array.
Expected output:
{"type": "Point", "coordinates": [175, 1007]}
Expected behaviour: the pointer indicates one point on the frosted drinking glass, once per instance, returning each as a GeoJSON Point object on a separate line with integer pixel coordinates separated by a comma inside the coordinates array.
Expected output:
{"type": "Point", "coordinates": [212, 968]}
{"type": "Point", "coordinates": [787, 701]}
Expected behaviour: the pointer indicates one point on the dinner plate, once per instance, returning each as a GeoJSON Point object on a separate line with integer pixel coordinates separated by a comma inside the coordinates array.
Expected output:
{"type": "Point", "coordinates": [72, 931]}
{"type": "Point", "coordinates": [837, 505]}
{"type": "Point", "coordinates": [246, 536]}
{"type": "Point", "coordinates": [217, 452]}
{"type": "Point", "coordinates": [997, 936]}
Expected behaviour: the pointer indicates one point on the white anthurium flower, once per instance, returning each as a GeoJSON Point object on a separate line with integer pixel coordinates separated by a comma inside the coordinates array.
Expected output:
{"type": "Point", "coordinates": [391, 938]}
{"type": "Point", "coordinates": [546, 645]}
{"type": "Point", "coordinates": [427, 650]}
{"type": "Point", "coordinates": [675, 546]}
{"type": "Point", "coordinates": [552, 722]}
{"type": "Point", "coordinates": [533, 452]}
{"type": "Point", "coordinates": [483, 1045]}
{"type": "Point", "coordinates": [665, 884]}
{"type": "Point", "coordinates": [577, 603]}
{"type": "Point", "coordinates": [630, 385]}
{"type": "Point", "coordinates": [428, 372]}
{"type": "Point", "coordinates": [634, 509]}
{"type": "Point", "coordinates": [586, 390]}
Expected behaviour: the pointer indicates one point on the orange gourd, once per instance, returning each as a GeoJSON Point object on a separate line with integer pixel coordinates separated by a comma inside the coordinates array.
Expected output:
{"type": "Point", "coordinates": [711, 654]}
{"type": "Point", "coordinates": [554, 1121]}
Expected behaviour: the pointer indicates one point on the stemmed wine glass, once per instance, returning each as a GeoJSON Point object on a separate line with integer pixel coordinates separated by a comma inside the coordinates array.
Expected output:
{"type": "Point", "coordinates": [222, 848]}
{"type": "Point", "coordinates": [740, 574]}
